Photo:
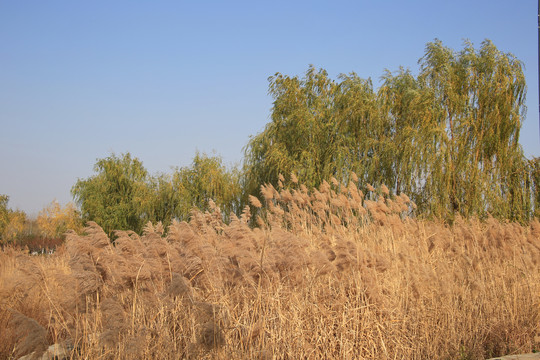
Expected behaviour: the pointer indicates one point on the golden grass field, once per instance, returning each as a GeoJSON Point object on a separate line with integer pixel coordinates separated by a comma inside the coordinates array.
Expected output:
{"type": "Point", "coordinates": [325, 274]}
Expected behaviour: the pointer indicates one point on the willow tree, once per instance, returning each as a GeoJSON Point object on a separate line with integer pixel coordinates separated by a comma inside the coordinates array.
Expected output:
{"type": "Point", "coordinates": [204, 180]}
{"type": "Point", "coordinates": [116, 196]}
{"type": "Point", "coordinates": [448, 137]}
{"type": "Point", "coordinates": [360, 130]}
{"type": "Point", "coordinates": [477, 108]}
{"type": "Point", "coordinates": [534, 184]}
{"type": "Point", "coordinates": [4, 213]}
{"type": "Point", "coordinates": [299, 137]}
{"type": "Point", "coordinates": [316, 125]}
{"type": "Point", "coordinates": [166, 200]}
{"type": "Point", "coordinates": [408, 134]}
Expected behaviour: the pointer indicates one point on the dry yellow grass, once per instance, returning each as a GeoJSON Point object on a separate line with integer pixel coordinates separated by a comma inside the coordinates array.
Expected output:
{"type": "Point", "coordinates": [327, 274]}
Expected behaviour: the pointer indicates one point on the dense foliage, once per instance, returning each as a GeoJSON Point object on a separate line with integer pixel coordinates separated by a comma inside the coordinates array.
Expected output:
{"type": "Point", "coordinates": [174, 196]}
{"type": "Point", "coordinates": [4, 212]}
{"type": "Point", "coordinates": [115, 197]}
{"type": "Point", "coordinates": [122, 196]}
{"type": "Point", "coordinates": [54, 220]}
{"type": "Point", "coordinates": [12, 222]}
{"type": "Point", "coordinates": [447, 137]}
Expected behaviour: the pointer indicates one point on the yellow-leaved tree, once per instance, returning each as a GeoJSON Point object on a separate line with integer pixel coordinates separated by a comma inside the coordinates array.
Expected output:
{"type": "Point", "coordinates": [54, 220]}
{"type": "Point", "coordinates": [14, 227]}
{"type": "Point", "coordinates": [12, 222]}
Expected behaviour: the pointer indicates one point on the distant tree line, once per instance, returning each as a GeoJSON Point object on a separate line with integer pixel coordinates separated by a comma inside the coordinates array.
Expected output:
{"type": "Point", "coordinates": [123, 196]}
{"type": "Point", "coordinates": [447, 137]}
{"type": "Point", "coordinates": [11, 221]}
{"type": "Point", "coordinates": [51, 224]}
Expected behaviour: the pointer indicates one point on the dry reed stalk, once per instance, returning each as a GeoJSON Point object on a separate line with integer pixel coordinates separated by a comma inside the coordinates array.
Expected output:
{"type": "Point", "coordinates": [32, 337]}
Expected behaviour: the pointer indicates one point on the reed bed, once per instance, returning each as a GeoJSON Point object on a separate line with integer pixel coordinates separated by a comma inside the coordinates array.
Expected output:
{"type": "Point", "coordinates": [331, 273]}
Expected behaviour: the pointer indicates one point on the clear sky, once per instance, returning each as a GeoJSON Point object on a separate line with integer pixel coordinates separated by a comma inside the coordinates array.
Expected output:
{"type": "Point", "coordinates": [163, 79]}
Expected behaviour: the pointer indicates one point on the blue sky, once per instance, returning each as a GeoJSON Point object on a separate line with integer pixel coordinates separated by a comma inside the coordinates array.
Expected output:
{"type": "Point", "coordinates": [164, 79]}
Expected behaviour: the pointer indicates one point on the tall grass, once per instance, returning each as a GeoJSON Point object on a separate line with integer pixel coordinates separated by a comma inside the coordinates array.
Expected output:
{"type": "Point", "coordinates": [328, 273]}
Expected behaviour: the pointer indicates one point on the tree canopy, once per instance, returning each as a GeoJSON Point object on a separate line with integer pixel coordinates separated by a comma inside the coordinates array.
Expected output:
{"type": "Point", "coordinates": [175, 195]}
{"type": "Point", "coordinates": [115, 197]}
{"type": "Point", "coordinates": [123, 196]}
{"type": "Point", "coordinates": [448, 137]}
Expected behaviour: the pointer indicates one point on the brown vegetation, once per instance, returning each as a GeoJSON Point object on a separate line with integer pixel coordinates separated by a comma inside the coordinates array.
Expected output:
{"type": "Point", "coordinates": [326, 274]}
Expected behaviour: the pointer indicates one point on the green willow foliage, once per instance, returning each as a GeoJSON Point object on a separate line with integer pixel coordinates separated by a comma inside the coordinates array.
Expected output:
{"type": "Point", "coordinates": [176, 195]}
{"type": "Point", "coordinates": [447, 137]}
{"type": "Point", "coordinates": [208, 179]}
{"type": "Point", "coordinates": [4, 213]}
{"type": "Point", "coordinates": [317, 125]}
{"type": "Point", "coordinates": [533, 181]}
{"type": "Point", "coordinates": [122, 196]}
{"type": "Point", "coordinates": [115, 197]}
{"type": "Point", "coordinates": [478, 106]}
